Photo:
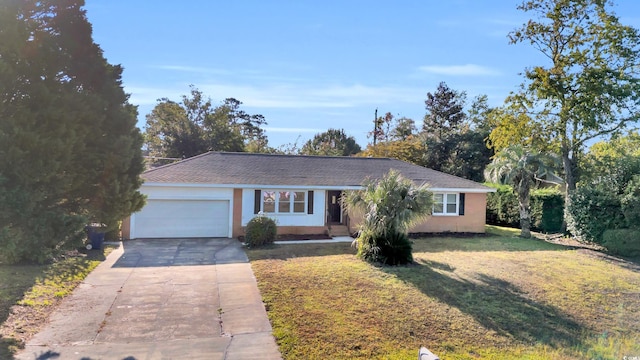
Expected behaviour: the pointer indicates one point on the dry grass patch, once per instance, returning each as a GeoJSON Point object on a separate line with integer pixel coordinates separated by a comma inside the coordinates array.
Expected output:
{"type": "Point", "coordinates": [30, 293]}
{"type": "Point", "coordinates": [487, 297]}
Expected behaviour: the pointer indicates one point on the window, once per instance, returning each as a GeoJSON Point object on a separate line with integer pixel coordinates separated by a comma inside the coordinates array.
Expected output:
{"type": "Point", "coordinates": [269, 201]}
{"type": "Point", "coordinates": [298, 202]}
{"type": "Point", "coordinates": [445, 204]}
{"type": "Point", "coordinates": [283, 201]}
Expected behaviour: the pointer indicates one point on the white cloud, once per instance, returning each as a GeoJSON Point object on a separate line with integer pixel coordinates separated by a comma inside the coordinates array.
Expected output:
{"type": "Point", "coordinates": [261, 90]}
{"type": "Point", "coordinates": [459, 70]}
{"type": "Point", "coordinates": [258, 90]}
{"type": "Point", "coordinates": [311, 95]}
{"type": "Point", "coordinates": [143, 95]}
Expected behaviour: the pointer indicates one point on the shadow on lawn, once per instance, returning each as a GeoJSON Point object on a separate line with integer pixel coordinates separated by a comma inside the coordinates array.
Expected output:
{"type": "Point", "coordinates": [425, 244]}
{"type": "Point", "coordinates": [495, 304]}
{"type": "Point", "coordinates": [484, 243]}
{"type": "Point", "coordinates": [16, 280]}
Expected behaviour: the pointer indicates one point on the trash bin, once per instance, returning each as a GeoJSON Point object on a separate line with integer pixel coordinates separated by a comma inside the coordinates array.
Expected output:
{"type": "Point", "coordinates": [96, 238]}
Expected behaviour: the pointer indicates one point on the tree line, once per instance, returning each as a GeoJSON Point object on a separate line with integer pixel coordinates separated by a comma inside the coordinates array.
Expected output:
{"type": "Point", "coordinates": [451, 137]}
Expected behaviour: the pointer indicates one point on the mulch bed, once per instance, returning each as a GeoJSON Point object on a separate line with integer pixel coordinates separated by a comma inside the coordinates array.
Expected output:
{"type": "Point", "coordinates": [560, 239]}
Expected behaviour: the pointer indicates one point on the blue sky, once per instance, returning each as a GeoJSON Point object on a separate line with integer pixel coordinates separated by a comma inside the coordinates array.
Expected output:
{"type": "Point", "coordinates": [309, 66]}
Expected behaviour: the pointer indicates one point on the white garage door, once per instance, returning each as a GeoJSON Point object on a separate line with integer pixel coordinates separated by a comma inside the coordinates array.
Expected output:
{"type": "Point", "coordinates": [182, 218]}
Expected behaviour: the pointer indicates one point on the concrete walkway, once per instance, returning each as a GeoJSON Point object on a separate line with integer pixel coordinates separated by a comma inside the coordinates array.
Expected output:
{"type": "Point", "coordinates": [162, 299]}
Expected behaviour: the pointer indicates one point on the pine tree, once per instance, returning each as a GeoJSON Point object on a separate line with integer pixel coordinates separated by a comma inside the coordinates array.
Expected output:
{"type": "Point", "coordinates": [69, 148]}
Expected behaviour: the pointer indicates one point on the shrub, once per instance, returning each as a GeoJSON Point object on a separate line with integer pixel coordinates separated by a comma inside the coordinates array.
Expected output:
{"type": "Point", "coordinates": [547, 210]}
{"type": "Point", "coordinates": [261, 230]}
{"type": "Point", "coordinates": [619, 173]}
{"type": "Point", "coordinates": [591, 212]}
{"type": "Point", "coordinates": [393, 249]}
{"type": "Point", "coordinates": [502, 207]}
{"type": "Point", "coordinates": [624, 242]}
{"type": "Point", "coordinates": [630, 202]}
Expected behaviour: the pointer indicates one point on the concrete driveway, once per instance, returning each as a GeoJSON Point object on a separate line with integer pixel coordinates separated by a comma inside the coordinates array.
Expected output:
{"type": "Point", "coordinates": [162, 299]}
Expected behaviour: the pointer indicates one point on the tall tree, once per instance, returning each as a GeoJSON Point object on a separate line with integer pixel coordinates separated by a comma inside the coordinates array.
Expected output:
{"type": "Point", "coordinates": [69, 148]}
{"type": "Point", "coordinates": [479, 114]}
{"type": "Point", "coordinates": [454, 142]}
{"type": "Point", "coordinates": [445, 115]}
{"type": "Point", "coordinates": [403, 129]}
{"type": "Point", "coordinates": [332, 142]}
{"type": "Point", "coordinates": [194, 126]}
{"type": "Point", "coordinates": [590, 87]}
{"type": "Point", "coordinates": [445, 111]}
{"type": "Point", "coordinates": [520, 167]}
{"type": "Point", "coordinates": [511, 124]}
{"type": "Point", "coordinates": [171, 134]}
{"type": "Point", "coordinates": [467, 154]}
{"type": "Point", "coordinates": [250, 126]}
{"type": "Point", "coordinates": [382, 128]}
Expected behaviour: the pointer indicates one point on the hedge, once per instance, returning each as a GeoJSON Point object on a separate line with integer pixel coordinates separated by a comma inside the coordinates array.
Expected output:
{"type": "Point", "coordinates": [624, 242]}
{"type": "Point", "coordinates": [592, 211]}
{"type": "Point", "coordinates": [547, 208]}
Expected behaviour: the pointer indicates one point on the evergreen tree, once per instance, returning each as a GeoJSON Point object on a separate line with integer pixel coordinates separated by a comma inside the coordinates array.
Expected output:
{"type": "Point", "coordinates": [69, 148]}
{"type": "Point", "coordinates": [454, 141]}
{"type": "Point", "coordinates": [332, 142]}
{"type": "Point", "coordinates": [445, 112]}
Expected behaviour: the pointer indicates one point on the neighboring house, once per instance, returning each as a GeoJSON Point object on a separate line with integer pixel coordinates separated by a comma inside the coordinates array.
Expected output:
{"type": "Point", "coordinates": [216, 194]}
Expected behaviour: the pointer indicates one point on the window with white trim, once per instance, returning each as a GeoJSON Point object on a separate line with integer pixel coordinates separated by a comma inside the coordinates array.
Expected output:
{"type": "Point", "coordinates": [445, 204]}
{"type": "Point", "coordinates": [283, 202]}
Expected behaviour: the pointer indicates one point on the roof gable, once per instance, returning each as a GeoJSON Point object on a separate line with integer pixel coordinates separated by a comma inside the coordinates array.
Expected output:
{"type": "Point", "coordinates": [296, 170]}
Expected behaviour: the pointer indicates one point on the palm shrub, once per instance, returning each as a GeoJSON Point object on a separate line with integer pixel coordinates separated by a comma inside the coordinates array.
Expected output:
{"type": "Point", "coordinates": [390, 205]}
{"type": "Point", "coordinates": [261, 230]}
{"type": "Point", "coordinates": [522, 168]}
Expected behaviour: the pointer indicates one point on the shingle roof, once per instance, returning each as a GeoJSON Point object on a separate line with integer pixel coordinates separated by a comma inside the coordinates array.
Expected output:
{"type": "Point", "coordinates": [296, 170]}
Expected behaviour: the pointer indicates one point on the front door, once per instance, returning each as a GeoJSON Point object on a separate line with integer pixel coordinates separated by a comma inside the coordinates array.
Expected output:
{"type": "Point", "coordinates": [333, 207]}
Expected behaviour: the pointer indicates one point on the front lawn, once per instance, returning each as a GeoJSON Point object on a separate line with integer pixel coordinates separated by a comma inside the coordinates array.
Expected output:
{"type": "Point", "coordinates": [497, 297]}
{"type": "Point", "coordinates": [30, 293]}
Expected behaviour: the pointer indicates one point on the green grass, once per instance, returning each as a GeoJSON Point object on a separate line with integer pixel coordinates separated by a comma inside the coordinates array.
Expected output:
{"type": "Point", "coordinates": [491, 297]}
{"type": "Point", "coordinates": [501, 231]}
{"type": "Point", "coordinates": [30, 293]}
